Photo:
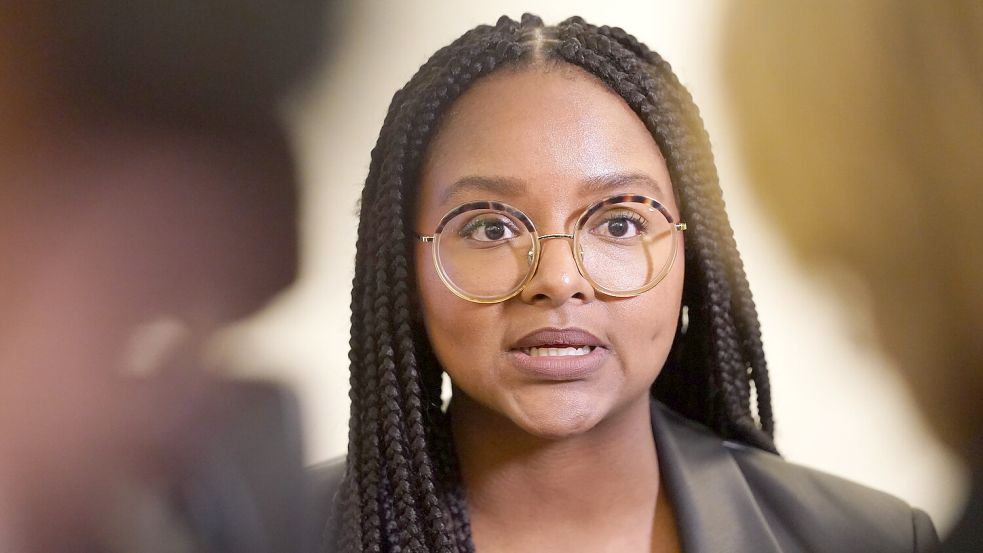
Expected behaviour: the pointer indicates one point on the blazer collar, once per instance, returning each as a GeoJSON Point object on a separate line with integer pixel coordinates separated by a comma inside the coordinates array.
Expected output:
{"type": "Point", "coordinates": [715, 509]}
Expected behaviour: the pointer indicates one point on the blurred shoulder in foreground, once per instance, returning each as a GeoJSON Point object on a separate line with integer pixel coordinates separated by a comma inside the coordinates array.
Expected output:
{"type": "Point", "coordinates": [148, 196]}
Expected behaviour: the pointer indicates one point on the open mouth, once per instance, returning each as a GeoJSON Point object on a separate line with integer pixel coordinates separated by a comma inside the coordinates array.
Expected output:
{"type": "Point", "coordinates": [560, 355]}
{"type": "Point", "coordinates": [556, 342]}
{"type": "Point", "coordinates": [557, 351]}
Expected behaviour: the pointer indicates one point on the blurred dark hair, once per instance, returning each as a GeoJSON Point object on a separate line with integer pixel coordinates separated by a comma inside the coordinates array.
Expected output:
{"type": "Point", "coordinates": [211, 64]}
{"type": "Point", "coordinates": [172, 106]}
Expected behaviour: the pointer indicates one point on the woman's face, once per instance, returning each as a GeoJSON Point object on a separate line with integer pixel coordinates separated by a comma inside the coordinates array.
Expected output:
{"type": "Point", "coordinates": [547, 142]}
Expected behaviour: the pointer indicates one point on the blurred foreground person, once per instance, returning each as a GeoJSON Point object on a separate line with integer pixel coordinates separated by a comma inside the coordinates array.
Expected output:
{"type": "Point", "coordinates": [147, 197]}
{"type": "Point", "coordinates": [863, 129]}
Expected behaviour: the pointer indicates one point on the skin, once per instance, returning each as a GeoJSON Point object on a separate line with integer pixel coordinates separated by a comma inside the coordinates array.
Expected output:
{"type": "Point", "coordinates": [529, 448]}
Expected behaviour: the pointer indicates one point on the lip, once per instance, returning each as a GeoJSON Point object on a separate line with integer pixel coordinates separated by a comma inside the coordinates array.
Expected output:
{"type": "Point", "coordinates": [560, 368]}
{"type": "Point", "coordinates": [558, 337]}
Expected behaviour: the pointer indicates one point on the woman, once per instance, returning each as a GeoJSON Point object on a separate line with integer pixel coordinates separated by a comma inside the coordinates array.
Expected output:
{"type": "Point", "coordinates": [511, 149]}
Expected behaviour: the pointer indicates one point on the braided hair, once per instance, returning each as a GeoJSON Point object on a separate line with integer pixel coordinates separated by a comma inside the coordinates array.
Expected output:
{"type": "Point", "coordinates": [402, 491]}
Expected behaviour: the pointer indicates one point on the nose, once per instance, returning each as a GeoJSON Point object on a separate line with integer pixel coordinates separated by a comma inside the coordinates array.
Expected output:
{"type": "Point", "coordinates": [557, 278]}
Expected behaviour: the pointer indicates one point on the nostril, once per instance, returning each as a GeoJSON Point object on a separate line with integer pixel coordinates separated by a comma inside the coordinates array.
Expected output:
{"type": "Point", "coordinates": [557, 277]}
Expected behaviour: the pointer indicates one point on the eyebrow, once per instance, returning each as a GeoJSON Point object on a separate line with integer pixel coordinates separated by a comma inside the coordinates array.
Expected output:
{"type": "Point", "coordinates": [497, 186]}
{"type": "Point", "coordinates": [512, 187]}
{"type": "Point", "coordinates": [619, 182]}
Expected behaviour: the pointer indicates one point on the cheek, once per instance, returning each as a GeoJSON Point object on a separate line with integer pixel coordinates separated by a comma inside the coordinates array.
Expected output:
{"type": "Point", "coordinates": [452, 322]}
{"type": "Point", "coordinates": [646, 328]}
{"type": "Point", "coordinates": [433, 300]}
{"type": "Point", "coordinates": [426, 276]}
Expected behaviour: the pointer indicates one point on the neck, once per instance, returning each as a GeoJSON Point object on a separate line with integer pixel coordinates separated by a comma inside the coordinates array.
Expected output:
{"type": "Point", "coordinates": [514, 479]}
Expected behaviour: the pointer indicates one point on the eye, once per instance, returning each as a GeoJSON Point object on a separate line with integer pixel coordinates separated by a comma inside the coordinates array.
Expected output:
{"type": "Point", "coordinates": [621, 224]}
{"type": "Point", "coordinates": [489, 228]}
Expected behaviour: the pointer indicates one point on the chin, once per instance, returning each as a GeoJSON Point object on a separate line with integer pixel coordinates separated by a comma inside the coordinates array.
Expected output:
{"type": "Point", "coordinates": [558, 416]}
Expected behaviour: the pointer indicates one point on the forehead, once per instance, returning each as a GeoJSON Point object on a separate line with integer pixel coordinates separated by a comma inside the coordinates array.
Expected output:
{"type": "Point", "coordinates": [540, 133]}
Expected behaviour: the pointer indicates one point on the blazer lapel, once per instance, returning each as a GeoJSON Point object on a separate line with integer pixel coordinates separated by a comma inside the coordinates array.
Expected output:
{"type": "Point", "coordinates": [715, 509]}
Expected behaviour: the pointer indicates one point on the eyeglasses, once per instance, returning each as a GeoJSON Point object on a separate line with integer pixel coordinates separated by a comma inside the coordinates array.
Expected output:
{"type": "Point", "coordinates": [486, 251]}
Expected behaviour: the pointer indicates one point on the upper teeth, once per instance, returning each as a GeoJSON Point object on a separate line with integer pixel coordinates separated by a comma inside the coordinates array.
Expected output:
{"type": "Point", "coordinates": [539, 352]}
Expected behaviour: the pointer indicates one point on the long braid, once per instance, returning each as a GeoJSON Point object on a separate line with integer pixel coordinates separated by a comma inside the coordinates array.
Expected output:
{"type": "Point", "coordinates": [402, 489]}
{"type": "Point", "coordinates": [747, 314]}
{"type": "Point", "coordinates": [363, 503]}
{"type": "Point", "coordinates": [351, 496]}
{"type": "Point", "coordinates": [740, 309]}
{"type": "Point", "coordinates": [396, 495]}
{"type": "Point", "coordinates": [410, 534]}
{"type": "Point", "coordinates": [481, 56]}
{"type": "Point", "coordinates": [615, 56]}
{"type": "Point", "coordinates": [421, 473]}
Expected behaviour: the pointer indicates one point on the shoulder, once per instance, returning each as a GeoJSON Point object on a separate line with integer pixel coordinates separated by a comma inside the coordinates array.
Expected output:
{"type": "Point", "coordinates": [324, 481]}
{"type": "Point", "coordinates": [727, 493]}
{"type": "Point", "coordinates": [814, 504]}
{"type": "Point", "coordinates": [798, 508]}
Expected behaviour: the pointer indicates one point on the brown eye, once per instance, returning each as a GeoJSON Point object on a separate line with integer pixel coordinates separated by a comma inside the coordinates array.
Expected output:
{"type": "Point", "coordinates": [494, 231]}
{"type": "Point", "coordinates": [618, 227]}
{"type": "Point", "coordinates": [621, 224]}
{"type": "Point", "coordinates": [489, 229]}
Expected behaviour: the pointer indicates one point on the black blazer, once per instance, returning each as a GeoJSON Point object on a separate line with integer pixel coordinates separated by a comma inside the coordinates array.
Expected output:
{"type": "Point", "coordinates": [731, 498]}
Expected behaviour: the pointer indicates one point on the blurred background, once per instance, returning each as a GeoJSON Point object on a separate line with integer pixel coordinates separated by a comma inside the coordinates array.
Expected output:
{"type": "Point", "coordinates": [839, 406]}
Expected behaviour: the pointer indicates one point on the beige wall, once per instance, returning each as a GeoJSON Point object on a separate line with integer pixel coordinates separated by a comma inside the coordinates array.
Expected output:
{"type": "Point", "coordinates": [838, 406]}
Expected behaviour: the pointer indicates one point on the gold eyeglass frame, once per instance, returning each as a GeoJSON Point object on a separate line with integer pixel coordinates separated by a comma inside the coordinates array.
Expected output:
{"type": "Point", "coordinates": [537, 244]}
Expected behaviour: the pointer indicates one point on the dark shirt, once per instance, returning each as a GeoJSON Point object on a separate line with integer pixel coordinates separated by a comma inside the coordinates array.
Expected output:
{"type": "Point", "coordinates": [967, 535]}
{"type": "Point", "coordinates": [732, 498]}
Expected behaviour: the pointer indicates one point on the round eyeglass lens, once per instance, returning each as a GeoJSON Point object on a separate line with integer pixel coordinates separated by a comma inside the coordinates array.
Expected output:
{"type": "Point", "coordinates": [485, 254]}
{"type": "Point", "coordinates": [626, 247]}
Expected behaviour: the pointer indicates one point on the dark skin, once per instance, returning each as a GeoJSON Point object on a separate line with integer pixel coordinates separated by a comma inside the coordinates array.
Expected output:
{"type": "Point", "coordinates": [552, 465]}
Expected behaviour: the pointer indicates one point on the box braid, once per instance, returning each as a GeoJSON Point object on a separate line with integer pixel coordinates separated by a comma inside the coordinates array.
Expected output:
{"type": "Point", "coordinates": [401, 491]}
{"type": "Point", "coordinates": [717, 295]}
